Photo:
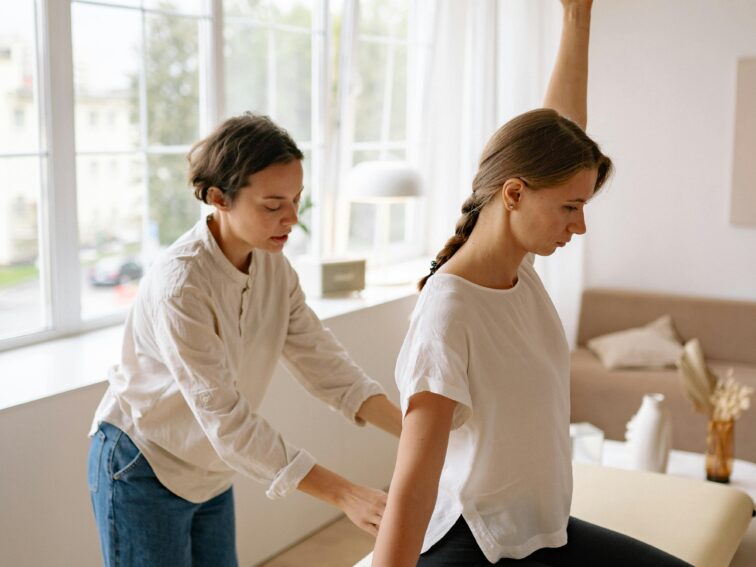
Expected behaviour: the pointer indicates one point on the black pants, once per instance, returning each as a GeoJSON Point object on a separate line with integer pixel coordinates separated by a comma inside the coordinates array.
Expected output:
{"type": "Point", "coordinates": [588, 544]}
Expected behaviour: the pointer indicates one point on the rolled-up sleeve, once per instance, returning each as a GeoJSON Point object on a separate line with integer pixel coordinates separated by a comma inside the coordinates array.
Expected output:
{"type": "Point", "coordinates": [434, 358]}
{"type": "Point", "coordinates": [194, 354]}
{"type": "Point", "coordinates": [433, 366]}
{"type": "Point", "coordinates": [320, 363]}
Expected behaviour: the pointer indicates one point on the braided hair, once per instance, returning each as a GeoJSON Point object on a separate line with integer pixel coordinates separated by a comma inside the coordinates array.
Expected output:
{"type": "Point", "coordinates": [470, 210]}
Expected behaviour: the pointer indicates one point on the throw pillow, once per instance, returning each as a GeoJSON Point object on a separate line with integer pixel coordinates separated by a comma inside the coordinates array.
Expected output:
{"type": "Point", "coordinates": [653, 346]}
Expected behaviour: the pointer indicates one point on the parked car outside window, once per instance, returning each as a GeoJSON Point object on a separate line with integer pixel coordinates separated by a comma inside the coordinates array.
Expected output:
{"type": "Point", "coordinates": [115, 271]}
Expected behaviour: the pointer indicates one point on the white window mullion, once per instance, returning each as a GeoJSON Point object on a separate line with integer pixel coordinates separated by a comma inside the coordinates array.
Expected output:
{"type": "Point", "coordinates": [272, 75]}
{"type": "Point", "coordinates": [345, 135]}
{"type": "Point", "coordinates": [61, 241]}
{"type": "Point", "coordinates": [40, 80]}
{"type": "Point", "coordinates": [212, 69]}
{"type": "Point", "coordinates": [320, 123]}
{"type": "Point", "coordinates": [419, 53]}
{"type": "Point", "coordinates": [147, 234]}
{"type": "Point", "coordinates": [388, 91]}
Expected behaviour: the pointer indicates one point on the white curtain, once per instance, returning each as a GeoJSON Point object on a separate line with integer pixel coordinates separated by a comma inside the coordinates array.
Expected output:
{"type": "Point", "coordinates": [490, 61]}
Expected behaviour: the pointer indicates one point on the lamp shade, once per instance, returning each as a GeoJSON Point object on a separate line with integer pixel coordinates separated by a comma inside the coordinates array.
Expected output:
{"type": "Point", "coordinates": [376, 180]}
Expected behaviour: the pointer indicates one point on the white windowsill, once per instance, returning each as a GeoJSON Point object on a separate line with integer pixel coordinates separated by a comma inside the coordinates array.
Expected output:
{"type": "Point", "coordinates": [39, 371]}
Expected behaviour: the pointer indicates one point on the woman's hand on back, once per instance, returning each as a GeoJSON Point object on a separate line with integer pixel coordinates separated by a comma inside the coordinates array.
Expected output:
{"type": "Point", "coordinates": [364, 507]}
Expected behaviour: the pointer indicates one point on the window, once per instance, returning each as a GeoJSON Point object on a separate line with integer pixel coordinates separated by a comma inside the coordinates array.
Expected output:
{"type": "Point", "coordinates": [98, 179]}
{"type": "Point", "coordinates": [140, 67]}
{"type": "Point", "coordinates": [23, 297]}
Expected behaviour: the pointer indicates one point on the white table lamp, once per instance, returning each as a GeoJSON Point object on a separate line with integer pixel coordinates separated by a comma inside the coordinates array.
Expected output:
{"type": "Point", "coordinates": [379, 181]}
{"type": "Point", "coordinates": [383, 183]}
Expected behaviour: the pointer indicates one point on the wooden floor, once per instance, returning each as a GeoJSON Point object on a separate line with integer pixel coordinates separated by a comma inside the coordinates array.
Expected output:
{"type": "Point", "coordinates": [340, 544]}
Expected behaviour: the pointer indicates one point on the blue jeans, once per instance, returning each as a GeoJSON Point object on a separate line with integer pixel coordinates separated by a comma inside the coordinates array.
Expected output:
{"type": "Point", "coordinates": [142, 523]}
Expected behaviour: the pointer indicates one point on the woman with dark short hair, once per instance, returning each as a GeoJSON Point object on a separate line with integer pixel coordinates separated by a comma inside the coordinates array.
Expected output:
{"type": "Point", "coordinates": [213, 316]}
{"type": "Point", "coordinates": [483, 474]}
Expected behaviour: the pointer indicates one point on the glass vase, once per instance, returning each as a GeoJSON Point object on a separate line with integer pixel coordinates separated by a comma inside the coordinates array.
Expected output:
{"type": "Point", "coordinates": [720, 444]}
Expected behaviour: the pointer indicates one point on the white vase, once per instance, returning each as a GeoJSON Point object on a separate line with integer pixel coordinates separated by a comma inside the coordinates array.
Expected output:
{"type": "Point", "coordinates": [649, 435]}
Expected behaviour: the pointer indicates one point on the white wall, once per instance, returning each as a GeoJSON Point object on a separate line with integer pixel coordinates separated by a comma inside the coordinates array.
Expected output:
{"type": "Point", "coordinates": [662, 103]}
{"type": "Point", "coordinates": [45, 515]}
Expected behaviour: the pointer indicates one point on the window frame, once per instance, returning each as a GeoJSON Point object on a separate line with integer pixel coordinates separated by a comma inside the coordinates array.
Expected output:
{"type": "Point", "coordinates": [60, 272]}
{"type": "Point", "coordinates": [58, 223]}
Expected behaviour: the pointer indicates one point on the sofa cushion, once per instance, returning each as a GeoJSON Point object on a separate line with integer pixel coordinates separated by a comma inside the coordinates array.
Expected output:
{"type": "Point", "coordinates": [726, 328]}
{"type": "Point", "coordinates": [653, 346]}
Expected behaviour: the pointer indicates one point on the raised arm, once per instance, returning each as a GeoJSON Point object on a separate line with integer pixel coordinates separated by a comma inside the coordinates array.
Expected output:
{"type": "Point", "coordinates": [414, 486]}
{"type": "Point", "coordinates": [567, 92]}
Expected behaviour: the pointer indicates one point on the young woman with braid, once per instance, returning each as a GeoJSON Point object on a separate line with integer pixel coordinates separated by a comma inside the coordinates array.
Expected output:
{"type": "Point", "coordinates": [483, 475]}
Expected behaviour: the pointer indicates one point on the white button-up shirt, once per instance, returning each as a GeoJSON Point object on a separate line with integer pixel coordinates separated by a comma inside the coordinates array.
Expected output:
{"type": "Point", "coordinates": [200, 346]}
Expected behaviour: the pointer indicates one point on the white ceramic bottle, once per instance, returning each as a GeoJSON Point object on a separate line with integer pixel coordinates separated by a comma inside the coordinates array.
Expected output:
{"type": "Point", "coordinates": [649, 435]}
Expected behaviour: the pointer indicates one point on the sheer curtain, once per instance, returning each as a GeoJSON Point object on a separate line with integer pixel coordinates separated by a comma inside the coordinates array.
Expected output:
{"type": "Point", "coordinates": [490, 61]}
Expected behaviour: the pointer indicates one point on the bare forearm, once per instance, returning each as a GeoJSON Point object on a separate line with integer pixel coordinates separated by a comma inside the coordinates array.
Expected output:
{"type": "Point", "coordinates": [404, 523]}
{"type": "Point", "coordinates": [414, 486]}
{"type": "Point", "coordinates": [363, 505]}
{"type": "Point", "coordinates": [567, 92]}
{"type": "Point", "coordinates": [325, 485]}
{"type": "Point", "coordinates": [381, 412]}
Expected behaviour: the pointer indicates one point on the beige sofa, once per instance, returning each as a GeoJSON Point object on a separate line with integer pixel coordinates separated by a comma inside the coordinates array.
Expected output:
{"type": "Point", "coordinates": [609, 398]}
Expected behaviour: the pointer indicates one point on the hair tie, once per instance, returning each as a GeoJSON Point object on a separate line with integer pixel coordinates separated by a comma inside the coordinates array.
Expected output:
{"type": "Point", "coordinates": [434, 267]}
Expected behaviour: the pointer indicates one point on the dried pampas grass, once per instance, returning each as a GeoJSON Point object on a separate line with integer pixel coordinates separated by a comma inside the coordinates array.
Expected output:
{"type": "Point", "coordinates": [719, 398]}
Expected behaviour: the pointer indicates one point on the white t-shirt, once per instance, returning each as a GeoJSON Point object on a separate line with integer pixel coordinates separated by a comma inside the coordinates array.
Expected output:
{"type": "Point", "coordinates": [503, 357]}
{"type": "Point", "coordinates": [200, 346]}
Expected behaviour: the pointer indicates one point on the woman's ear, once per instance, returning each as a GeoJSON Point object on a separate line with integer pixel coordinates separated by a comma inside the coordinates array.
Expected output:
{"type": "Point", "coordinates": [217, 198]}
{"type": "Point", "coordinates": [511, 193]}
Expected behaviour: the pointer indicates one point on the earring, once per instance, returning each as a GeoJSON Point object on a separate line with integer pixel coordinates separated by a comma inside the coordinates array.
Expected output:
{"type": "Point", "coordinates": [511, 206]}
